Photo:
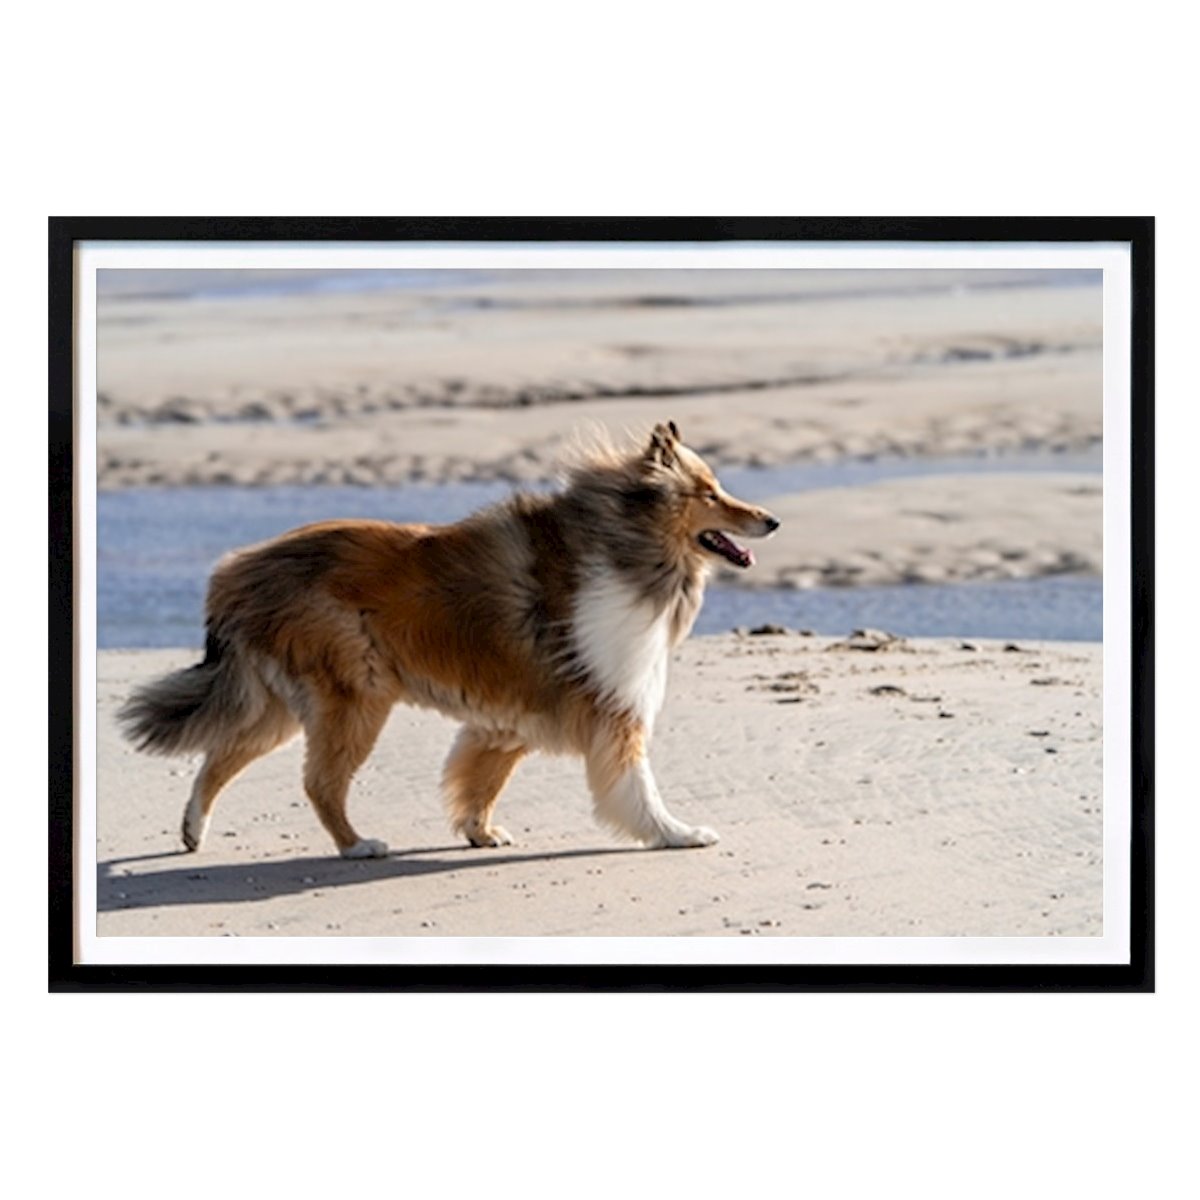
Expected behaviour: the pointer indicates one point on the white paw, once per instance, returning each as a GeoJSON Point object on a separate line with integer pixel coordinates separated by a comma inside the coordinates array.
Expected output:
{"type": "Point", "coordinates": [366, 848]}
{"type": "Point", "coordinates": [685, 837]}
{"type": "Point", "coordinates": [194, 829]}
{"type": "Point", "coordinates": [493, 835]}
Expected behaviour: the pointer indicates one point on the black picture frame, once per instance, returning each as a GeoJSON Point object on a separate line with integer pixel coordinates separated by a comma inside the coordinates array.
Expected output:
{"type": "Point", "coordinates": [67, 974]}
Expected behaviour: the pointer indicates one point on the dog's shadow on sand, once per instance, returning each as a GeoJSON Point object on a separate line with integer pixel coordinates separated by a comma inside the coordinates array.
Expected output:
{"type": "Point", "coordinates": [194, 882]}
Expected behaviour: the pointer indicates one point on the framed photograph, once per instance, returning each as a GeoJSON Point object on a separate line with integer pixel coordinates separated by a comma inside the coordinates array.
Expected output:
{"type": "Point", "coordinates": [601, 604]}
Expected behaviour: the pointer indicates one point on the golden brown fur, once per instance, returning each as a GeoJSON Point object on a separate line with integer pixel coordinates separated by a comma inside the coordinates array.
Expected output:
{"type": "Point", "coordinates": [327, 627]}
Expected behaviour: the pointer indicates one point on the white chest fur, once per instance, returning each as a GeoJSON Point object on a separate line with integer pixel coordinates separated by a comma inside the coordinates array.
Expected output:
{"type": "Point", "coordinates": [622, 644]}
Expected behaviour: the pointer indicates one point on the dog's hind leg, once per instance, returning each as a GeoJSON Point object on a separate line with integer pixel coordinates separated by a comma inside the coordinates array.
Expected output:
{"type": "Point", "coordinates": [340, 735]}
{"type": "Point", "coordinates": [475, 773]}
{"type": "Point", "coordinates": [224, 762]}
{"type": "Point", "coordinates": [626, 797]}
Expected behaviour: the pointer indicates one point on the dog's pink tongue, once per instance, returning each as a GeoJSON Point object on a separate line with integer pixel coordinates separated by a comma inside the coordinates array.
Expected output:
{"type": "Point", "coordinates": [728, 548]}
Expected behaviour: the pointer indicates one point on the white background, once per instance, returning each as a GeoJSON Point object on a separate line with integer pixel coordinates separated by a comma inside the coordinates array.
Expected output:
{"type": "Point", "coordinates": [527, 109]}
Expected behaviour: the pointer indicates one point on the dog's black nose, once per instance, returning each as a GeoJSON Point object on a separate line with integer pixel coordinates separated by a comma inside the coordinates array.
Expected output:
{"type": "Point", "coordinates": [772, 524]}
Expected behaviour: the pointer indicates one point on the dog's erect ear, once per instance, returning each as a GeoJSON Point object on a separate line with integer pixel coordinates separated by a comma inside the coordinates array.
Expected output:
{"type": "Point", "coordinates": [663, 442]}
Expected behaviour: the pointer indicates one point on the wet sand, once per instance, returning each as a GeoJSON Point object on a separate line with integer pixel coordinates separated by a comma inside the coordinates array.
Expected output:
{"type": "Point", "coordinates": [488, 382]}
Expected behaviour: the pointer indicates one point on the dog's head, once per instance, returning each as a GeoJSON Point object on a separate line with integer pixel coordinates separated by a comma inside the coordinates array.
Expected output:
{"type": "Point", "coordinates": [706, 514]}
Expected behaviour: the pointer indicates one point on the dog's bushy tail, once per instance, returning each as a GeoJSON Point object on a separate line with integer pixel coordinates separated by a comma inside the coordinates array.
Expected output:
{"type": "Point", "coordinates": [189, 710]}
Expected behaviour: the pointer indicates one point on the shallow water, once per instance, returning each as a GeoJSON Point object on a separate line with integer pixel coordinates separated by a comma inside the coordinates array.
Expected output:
{"type": "Point", "coordinates": [1052, 608]}
{"type": "Point", "coordinates": [156, 548]}
{"type": "Point", "coordinates": [757, 483]}
{"type": "Point", "coordinates": [663, 284]}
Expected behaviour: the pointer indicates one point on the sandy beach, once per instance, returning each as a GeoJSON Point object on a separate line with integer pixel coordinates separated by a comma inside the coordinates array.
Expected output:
{"type": "Point", "coordinates": [861, 786]}
{"type": "Point", "coordinates": [914, 788]}
{"type": "Point", "coordinates": [486, 383]}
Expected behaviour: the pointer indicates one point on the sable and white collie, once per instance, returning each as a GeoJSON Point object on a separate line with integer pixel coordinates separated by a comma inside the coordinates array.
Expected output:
{"type": "Point", "coordinates": [542, 623]}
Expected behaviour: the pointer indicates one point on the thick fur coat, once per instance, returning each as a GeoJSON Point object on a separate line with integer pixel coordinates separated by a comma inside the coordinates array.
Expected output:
{"type": "Point", "coordinates": [543, 623]}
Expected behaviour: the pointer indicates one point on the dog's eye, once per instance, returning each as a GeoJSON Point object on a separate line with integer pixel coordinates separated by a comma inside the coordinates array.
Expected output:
{"type": "Point", "coordinates": [711, 496]}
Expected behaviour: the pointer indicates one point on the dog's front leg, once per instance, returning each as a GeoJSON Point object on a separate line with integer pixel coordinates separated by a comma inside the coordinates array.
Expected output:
{"type": "Point", "coordinates": [627, 798]}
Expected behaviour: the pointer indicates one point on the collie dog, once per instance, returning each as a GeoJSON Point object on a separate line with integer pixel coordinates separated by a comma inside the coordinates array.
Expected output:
{"type": "Point", "coordinates": [542, 623]}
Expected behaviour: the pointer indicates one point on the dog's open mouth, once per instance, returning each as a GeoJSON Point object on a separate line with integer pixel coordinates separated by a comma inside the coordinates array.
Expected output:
{"type": "Point", "coordinates": [716, 542]}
